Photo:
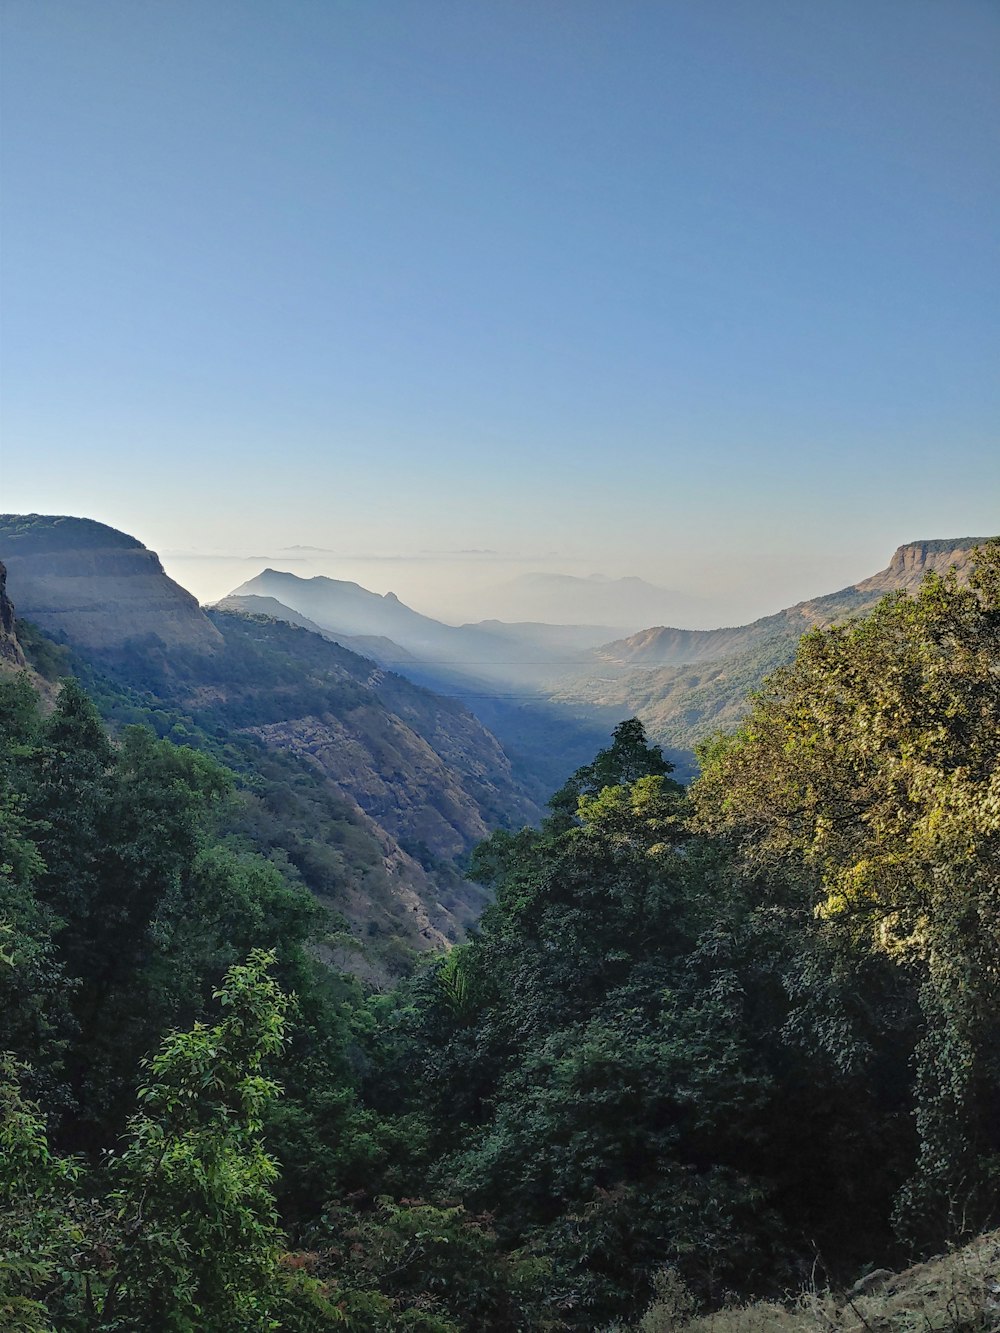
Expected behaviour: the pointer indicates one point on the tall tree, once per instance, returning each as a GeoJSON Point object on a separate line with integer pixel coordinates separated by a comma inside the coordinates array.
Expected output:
{"type": "Point", "coordinates": [628, 758]}
{"type": "Point", "coordinates": [199, 1239]}
{"type": "Point", "coordinates": [870, 771]}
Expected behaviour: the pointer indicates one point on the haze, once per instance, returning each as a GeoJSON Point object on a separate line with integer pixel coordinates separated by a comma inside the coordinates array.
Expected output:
{"type": "Point", "coordinates": [700, 292]}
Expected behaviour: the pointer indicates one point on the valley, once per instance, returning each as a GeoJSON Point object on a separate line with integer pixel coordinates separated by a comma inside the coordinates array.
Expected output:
{"type": "Point", "coordinates": [562, 1041]}
{"type": "Point", "coordinates": [379, 745]}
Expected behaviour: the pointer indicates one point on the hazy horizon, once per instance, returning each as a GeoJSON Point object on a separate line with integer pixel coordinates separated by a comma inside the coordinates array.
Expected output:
{"type": "Point", "coordinates": [704, 293]}
{"type": "Point", "coordinates": [428, 585]}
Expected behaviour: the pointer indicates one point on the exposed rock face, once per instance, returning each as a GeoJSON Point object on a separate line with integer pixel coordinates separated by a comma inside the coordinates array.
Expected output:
{"type": "Point", "coordinates": [99, 587]}
{"type": "Point", "coordinates": [393, 775]}
{"type": "Point", "coordinates": [10, 649]}
{"type": "Point", "coordinates": [423, 767]}
{"type": "Point", "coordinates": [912, 561]}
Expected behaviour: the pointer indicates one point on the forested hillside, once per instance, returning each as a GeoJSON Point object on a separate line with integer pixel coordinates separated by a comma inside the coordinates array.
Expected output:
{"type": "Point", "coordinates": [705, 1046]}
{"type": "Point", "coordinates": [503, 673]}
{"type": "Point", "coordinates": [360, 785]}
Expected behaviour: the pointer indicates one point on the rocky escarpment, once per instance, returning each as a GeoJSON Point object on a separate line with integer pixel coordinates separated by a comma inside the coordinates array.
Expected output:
{"type": "Point", "coordinates": [420, 765]}
{"type": "Point", "coordinates": [664, 645]}
{"type": "Point", "coordinates": [97, 588]}
{"type": "Point", "coordinates": [911, 562]}
{"type": "Point", "coordinates": [10, 650]}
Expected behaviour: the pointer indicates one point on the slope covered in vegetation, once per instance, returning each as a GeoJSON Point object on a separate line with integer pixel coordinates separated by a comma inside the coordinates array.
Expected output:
{"type": "Point", "coordinates": [706, 1047]}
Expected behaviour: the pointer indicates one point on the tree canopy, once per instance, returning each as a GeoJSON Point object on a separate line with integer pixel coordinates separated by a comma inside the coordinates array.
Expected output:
{"type": "Point", "coordinates": [746, 1032]}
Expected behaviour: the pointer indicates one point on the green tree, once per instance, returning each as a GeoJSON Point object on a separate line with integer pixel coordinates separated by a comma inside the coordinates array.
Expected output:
{"type": "Point", "coordinates": [39, 1234]}
{"type": "Point", "coordinates": [628, 758]}
{"type": "Point", "coordinates": [868, 772]}
{"type": "Point", "coordinates": [33, 989]}
{"type": "Point", "coordinates": [199, 1236]}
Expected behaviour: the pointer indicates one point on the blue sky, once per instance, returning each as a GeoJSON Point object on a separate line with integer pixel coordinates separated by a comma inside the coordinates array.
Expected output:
{"type": "Point", "coordinates": [700, 290]}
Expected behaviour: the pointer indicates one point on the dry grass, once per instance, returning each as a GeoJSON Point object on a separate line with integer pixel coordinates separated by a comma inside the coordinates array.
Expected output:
{"type": "Point", "coordinates": [954, 1293]}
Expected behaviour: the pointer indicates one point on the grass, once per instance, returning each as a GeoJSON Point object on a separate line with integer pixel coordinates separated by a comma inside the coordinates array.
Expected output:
{"type": "Point", "coordinates": [952, 1293]}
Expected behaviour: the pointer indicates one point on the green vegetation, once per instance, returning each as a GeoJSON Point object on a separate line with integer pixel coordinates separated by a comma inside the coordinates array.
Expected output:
{"type": "Point", "coordinates": [706, 1047]}
{"type": "Point", "coordinates": [288, 810]}
{"type": "Point", "coordinates": [35, 534]}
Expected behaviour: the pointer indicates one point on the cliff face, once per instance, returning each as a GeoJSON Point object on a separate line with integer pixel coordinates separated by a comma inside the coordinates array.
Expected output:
{"type": "Point", "coordinates": [98, 587]}
{"type": "Point", "coordinates": [911, 562]}
{"type": "Point", "coordinates": [10, 650]}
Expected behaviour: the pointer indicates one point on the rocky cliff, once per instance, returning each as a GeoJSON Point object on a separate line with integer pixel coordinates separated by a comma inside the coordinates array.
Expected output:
{"type": "Point", "coordinates": [97, 588]}
{"type": "Point", "coordinates": [10, 650]}
{"type": "Point", "coordinates": [421, 766]}
{"type": "Point", "coordinates": [911, 562]}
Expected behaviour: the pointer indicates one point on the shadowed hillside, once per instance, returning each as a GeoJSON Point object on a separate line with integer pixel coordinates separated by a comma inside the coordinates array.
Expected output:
{"type": "Point", "coordinates": [97, 587]}
{"type": "Point", "coordinates": [367, 787]}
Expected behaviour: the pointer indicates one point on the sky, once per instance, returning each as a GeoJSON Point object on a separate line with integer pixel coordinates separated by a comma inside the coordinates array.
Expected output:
{"type": "Point", "coordinates": [701, 291]}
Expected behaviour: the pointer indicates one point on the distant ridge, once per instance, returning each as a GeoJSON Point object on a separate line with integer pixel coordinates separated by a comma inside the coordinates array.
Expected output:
{"type": "Point", "coordinates": [560, 599]}
{"type": "Point", "coordinates": [351, 614]}
{"type": "Point", "coordinates": [910, 562]}
{"type": "Point", "coordinates": [377, 647]}
{"type": "Point", "coordinates": [685, 684]}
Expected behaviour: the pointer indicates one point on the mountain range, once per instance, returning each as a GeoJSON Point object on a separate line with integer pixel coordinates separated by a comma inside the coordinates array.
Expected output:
{"type": "Point", "coordinates": [364, 785]}
{"type": "Point", "coordinates": [681, 683]}
{"type": "Point", "coordinates": [594, 601]}
{"type": "Point", "coordinates": [486, 650]}
{"type": "Point", "coordinates": [375, 745]}
{"type": "Point", "coordinates": [504, 673]}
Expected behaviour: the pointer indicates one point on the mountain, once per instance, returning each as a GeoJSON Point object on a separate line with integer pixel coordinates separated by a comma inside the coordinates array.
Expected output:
{"type": "Point", "coordinates": [375, 646]}
{"type": "Point", "coordinates": [664, 645]}
{"type": "Point", "coordinates": [554, 640]}
{"type": "Point", "coordinates": [470, 657]}
{"type": "Point", "coordinates": [596, 600]}
{"type": "Point", "coordinates": [97, 587]}
{"type": "Point", "coordinates": [365, 786]}
{"type": "Point", "coordinates": [684, 684]}
{"type": "Point", "coordinates": [345, 608]}
{"type": "Point", "coordinates": [501, 673]}
{"type": "Point", "coordinates": [349, 612]}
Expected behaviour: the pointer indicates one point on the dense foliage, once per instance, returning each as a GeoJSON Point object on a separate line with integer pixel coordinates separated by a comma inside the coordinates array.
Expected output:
{"type": "Point", "coordinates": [704, 1042]}
{"type": "Point", "coordinates": [288, 811]}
